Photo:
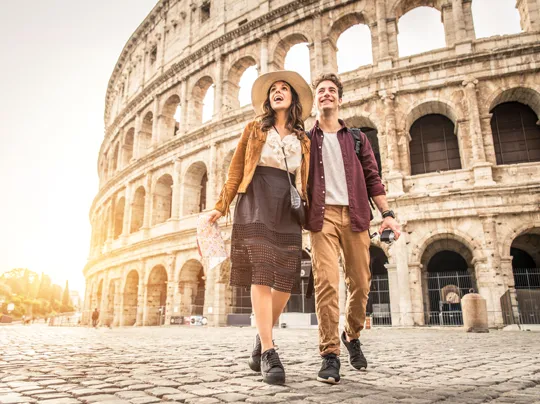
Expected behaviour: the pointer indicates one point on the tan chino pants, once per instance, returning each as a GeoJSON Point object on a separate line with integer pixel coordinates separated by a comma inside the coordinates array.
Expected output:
{"type": "Point", "coordinates": [337, 234]}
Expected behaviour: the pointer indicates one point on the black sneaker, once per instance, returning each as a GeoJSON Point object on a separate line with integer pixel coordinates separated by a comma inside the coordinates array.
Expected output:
{"type": "Point", "coordinates": [271, 368]}
{"type": "Point", "coordinates": [329, 372]}
{"type": "Point", "coordinates": [356, 357]}
{"type": "Point", "coordinates": [254, 361]}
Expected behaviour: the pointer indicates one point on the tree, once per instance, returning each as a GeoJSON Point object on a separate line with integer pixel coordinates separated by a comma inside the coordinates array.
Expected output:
{"type": "Point", "coordinates": [44, 290]}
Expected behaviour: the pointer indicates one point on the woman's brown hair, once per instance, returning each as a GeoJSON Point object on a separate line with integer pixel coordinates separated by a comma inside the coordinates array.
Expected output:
{"type": "Point", "coordinates": [294, 114]}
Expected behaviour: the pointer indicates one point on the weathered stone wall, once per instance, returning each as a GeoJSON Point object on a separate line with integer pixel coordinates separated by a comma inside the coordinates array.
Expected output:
{"type": "Point", "coordinates": [150, 170]}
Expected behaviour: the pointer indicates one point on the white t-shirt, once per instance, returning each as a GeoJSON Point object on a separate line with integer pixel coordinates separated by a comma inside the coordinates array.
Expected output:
{"type": "Point", "coordinates": [334, 171]}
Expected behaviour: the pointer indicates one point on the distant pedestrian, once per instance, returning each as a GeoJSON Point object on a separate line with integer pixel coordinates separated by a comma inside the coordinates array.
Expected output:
{"type": "Point", "coordinates": [95, 317]}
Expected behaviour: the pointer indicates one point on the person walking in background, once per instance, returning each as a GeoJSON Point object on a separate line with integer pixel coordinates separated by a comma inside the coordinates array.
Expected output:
{"type": "Point", "coordinates": [95, 317]}
{"type": "Point", "coordinates": [343, 174]}
{"type": "Point", "coordinates": [266, 240]}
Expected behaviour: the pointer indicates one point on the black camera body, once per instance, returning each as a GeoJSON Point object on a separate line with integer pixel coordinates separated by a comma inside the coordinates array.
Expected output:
{"type": "Point", "coordinates": [388, 236]}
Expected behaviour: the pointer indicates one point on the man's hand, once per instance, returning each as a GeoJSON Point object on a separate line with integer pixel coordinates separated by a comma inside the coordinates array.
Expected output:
{"type": "Point", "coordinates": [214, 215]}
{"type": "Point", "coordinates": [392, 224]}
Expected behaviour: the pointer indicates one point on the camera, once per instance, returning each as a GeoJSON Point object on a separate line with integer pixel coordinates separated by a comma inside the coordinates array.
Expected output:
{"type": "Point", "coordinates": [388, 236]}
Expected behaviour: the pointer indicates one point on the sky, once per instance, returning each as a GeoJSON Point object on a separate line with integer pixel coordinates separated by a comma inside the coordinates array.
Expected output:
{"type": "Point", "coordinates": [57, 58]}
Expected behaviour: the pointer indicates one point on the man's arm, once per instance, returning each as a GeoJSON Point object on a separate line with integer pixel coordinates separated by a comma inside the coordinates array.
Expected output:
{"type": "Point", "coordinates": [388, 222]}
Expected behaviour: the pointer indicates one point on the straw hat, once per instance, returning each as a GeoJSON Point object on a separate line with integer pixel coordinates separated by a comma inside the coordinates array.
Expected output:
{"type": "Point", "coordinates": [260, 88]}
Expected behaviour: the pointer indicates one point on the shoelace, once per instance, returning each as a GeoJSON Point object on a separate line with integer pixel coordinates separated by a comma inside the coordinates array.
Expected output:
{"type": "Point", "coordinates": [331, 361]}
{"type": "Point", "coordinates": [355, 344]}
{"type": "Point", "coordinates": [273, 359]}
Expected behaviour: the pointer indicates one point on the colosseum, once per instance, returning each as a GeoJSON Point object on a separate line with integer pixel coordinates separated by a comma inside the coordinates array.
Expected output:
{"type": "Point", "coordinates": [456, 131]}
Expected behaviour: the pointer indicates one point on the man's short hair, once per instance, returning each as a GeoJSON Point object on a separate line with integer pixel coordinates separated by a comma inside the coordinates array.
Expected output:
{"type": "Point", "coordinates": [330, 77]}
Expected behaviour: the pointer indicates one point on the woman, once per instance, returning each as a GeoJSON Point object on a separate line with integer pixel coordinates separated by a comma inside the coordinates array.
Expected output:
{"type": "Point", "coordinates": [266, 241]}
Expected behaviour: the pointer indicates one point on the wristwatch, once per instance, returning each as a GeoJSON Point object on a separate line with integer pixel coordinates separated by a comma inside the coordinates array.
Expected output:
{"type": "Point", "coordinates": [387, 213]}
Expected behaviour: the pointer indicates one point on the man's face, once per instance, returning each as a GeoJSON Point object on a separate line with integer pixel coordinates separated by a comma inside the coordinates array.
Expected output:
{"type": "Point", "coordinates": [327, 96]}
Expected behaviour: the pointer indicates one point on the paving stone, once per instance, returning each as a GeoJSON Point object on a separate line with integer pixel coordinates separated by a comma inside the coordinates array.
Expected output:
{"type": "Point", "coordinates": [231, 397]}
{"type": "Point", "coordinates": [60, 401]}
{"type": "Point", "coordinates": [145, 400]}
{"type": "Point", "coordinates": [178, 397]}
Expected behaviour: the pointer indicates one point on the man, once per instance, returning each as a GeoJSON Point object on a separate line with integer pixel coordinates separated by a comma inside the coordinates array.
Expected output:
{"type": "Point", "coordinates": [340, 182]}
{"type": "Point", "coordinates": [95, 317]}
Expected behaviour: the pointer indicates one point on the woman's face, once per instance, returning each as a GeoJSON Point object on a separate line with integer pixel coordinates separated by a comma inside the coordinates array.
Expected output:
{"type": "Point", "coordinates": [280, 96]}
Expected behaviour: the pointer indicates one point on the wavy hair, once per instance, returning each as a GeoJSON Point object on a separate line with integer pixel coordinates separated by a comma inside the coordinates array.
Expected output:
{"type": "Point", "coordinates": [294, 123]}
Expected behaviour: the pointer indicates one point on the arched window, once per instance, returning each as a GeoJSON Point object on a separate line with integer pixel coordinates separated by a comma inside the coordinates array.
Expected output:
{"type": "Point", "coordinates": [202, 200]}
{"type": "Point", "coordinates": [434, 146]}
{"type": "Point", "coordinates": [501, 20]}
{"type": "Point", "coordinates": [355, 38]}
{"type": "Point", "coordinates": [420, 30]}
{"type": "Point", "coordinates": [246, 82]}
{"type": "Point", "coordinates": [297, 59]}
{"type": "Point", "coordinates": [145, 134]}
{"type": "Point", "coordinates": [137, 214]}
{"type": "Point", "coordinates": [516, 135]}
{"type": "Point", "coordinates": [129, 140]}
{"type": "Point", "coordinates": [195, 184]}
{"type": "Point", "coordinates": [169, 119]}
{"type": "Point", "coordinates": [119, 217]}
{"type": "Point", "coordinates": [162, 204]}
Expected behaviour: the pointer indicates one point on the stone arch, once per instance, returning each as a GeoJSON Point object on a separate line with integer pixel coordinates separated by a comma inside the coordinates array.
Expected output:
{"type": "Point", "coordinates": [168, 125]}
{"type": "Point", "coordinates": [119, 211]}
{"type": "Point", "coordinates": [524, 95]}
{"type": "Point", "coordinates": [128, 144]}
{"type": "Point", "coordinates": [514, 233]}
{"type": "Point", "coordinates": [162, 199]}
{"type": "Point", "coordinates": [447, 275]}
{"type": "Point", "coordinates": [137, 212]}
{"type": "Point", "coordinates": [343, 24]}
{"type": "Point", "coordinates": [198, 94]}
{"type": "Point", "coordinates": [190, 280]}
{"type": "Point", "coordinates": [231, 88]}
{"type": "Point", "coordinates": [195, 187]}
{"type": "Point", "coordinates": [130, 297]}
{"type": "Point", "coordinates": [156, 299]}
{"type": "Point", "coordinates": [344, 27]}
{"type": "Point", "coordinates": [425, 107]}
{"type": "Point", "coordinates": [283, 47]}
{"type": "Point", "coordinates": [402, 7]}
{"type": "Point", "coordinates": [145, 134]}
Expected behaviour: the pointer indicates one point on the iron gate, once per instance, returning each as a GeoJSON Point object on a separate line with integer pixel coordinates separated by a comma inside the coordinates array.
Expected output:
{"type": "Point", "coordinates": [378, 306]}
{"type": "Point", "coordinates": [527, 281]}
{"type": "Point", "coordinates": [445, 291]}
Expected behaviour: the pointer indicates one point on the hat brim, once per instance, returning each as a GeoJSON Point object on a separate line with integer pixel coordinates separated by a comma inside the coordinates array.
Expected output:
{"type": "Point", "coordinates": [260, 88]}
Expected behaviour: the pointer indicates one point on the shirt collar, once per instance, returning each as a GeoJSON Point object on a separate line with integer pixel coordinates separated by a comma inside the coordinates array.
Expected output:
{"type": "Point", "coordinates": [341, 122]}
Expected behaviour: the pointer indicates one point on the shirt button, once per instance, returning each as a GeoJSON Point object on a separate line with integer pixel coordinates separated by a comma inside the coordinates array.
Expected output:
{"type": "Point", "coordinates": [322, 176]}
{"type": "Point", "coordinates": [321, 162]}
{"type": "Point", "coordinates": [319, 147]}
{"type": "Point", "coordinates": [324, 192]}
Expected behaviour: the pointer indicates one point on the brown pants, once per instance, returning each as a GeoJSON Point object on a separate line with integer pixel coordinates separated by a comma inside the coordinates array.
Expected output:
{"type": "Point", "coordinates": [325, 245]}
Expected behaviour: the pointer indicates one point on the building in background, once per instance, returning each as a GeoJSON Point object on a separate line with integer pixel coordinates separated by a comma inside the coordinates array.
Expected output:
{"type": "Point", "coordinates": [455, 129]}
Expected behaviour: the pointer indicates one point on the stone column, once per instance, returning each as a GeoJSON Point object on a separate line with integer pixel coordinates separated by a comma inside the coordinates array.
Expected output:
{"type": "Point", "coordinates": [136, 138]}
{"type": "Point", "coordinates": [529, 12]}
{"type": "Point", "coordinates": [145, 304]}
{"type": "Point", "coordinates": [176, 188]}
{"type": "Point", "coordinates": [128, 210]}
{"type": "Point", "coordinates": [218, 93]}
{"type": "Point", "coordinates": [156, 136]}
{"type": "Point", "coordinates": [183, 127]}
{"type": "Point", "coordinates": [393, 286]}
{"type": "Point", "coordinates": [141, 302]}
{"type": "Point", "coordinates": [459, 21]}
{"type": "Point", "coordinates": [211, 186]}
{"type": "Point", "coordinates": [171, 291]}
{"type": "Point", "coordinates": [384, 60]}
{"type": "Point", "coordinates": [487, 135]}
{"type": "Point", "coordinates": [87, 303]}
{"type": "Point", "coordinates": [110, 224]}
{"type": "Point", "coordinates": [263, 68]}
{"type": "Point", "coordinates": [103, 304]}
{"type": "Point", "coordinates": [508, 277]}
{"type": "Point", "coordinates": [317, 65]}
{"type": "Point", "coordinates": [401, 257]}
{"type": "Point", "coordinates": [148, 202]}
{"type": "Point", "coordinates": [417, 293]}
{"type": "Point", "coordinates": [392, 29]}
{"type": "Point", "coordinates": [482, 170]}
{"type": "Point", "coordinates": [394, 177]}
{"type": "Point", "coordinates": [117, 303]}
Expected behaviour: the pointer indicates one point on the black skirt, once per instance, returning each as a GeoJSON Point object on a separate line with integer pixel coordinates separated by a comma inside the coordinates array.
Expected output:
{"type": "Point", "coordinates": [266, 240]}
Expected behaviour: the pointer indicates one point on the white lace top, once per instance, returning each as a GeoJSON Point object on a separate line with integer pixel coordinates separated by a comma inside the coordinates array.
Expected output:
{"type": "Point", "coordinates": [272, 155]}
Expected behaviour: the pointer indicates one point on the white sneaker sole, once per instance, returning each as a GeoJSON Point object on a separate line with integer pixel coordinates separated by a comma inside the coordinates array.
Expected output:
{"type": "Point", "coordinates": [330, 380]}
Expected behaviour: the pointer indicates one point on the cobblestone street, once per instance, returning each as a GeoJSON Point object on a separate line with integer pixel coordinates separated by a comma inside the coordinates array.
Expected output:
{"type": "Point", "coordinates": [209, 365]}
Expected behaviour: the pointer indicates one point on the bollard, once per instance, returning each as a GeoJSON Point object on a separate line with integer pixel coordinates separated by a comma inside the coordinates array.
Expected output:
{"type": "Point", "coordinates": [474, 309]}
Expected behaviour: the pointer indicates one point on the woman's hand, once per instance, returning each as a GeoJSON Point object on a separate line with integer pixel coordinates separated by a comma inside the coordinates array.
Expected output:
{"type": "Point", "coordinates": [214, 215]}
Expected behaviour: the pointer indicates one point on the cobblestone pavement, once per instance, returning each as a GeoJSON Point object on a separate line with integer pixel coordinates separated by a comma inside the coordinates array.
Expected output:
{"type": "Point", "coordinates": [209, 365]}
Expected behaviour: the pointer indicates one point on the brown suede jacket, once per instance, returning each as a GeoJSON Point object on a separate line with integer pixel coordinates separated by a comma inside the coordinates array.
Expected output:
{"type": "Point", "coordinates": [245, 160]}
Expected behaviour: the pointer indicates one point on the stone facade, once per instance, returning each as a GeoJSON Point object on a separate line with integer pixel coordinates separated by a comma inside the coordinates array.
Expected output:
{"type": "Point", "coordinates": [157, 173]}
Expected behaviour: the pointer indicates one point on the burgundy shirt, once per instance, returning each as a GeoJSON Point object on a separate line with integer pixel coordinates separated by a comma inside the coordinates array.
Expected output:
{"type": "Point", "coordinates": [362, 176]}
